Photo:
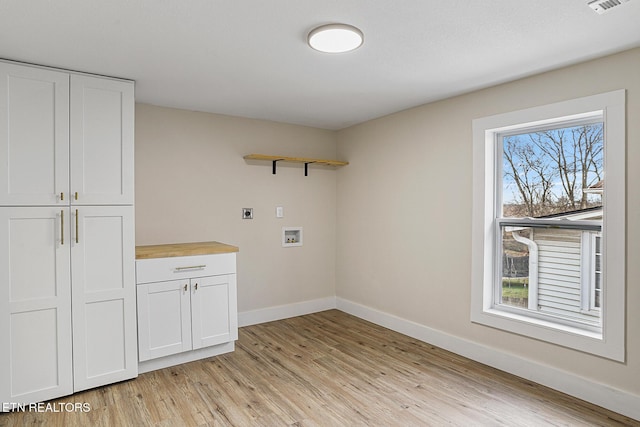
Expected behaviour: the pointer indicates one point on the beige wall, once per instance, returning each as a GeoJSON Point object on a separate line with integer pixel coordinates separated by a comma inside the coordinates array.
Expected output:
{"type": "Point", "coordinates": [192, 183]}
{"type": "Point", "coordinates": [404, 213]}
{"type": "Point", "coordinates": [391, 231]}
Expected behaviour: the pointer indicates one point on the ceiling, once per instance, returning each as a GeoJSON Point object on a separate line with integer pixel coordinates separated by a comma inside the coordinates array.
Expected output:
{"type": "Point", "coordinates": [249, 58]}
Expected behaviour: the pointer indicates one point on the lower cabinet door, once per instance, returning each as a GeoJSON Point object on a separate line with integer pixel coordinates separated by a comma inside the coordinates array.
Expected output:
{"type": "Point", "coordinates": [213, 310]}
{"type": "Point", "coordinates": [164, 318]}
{"type": "Point", "coordinates": [103, 295]}
{"type": "Point", "coordinates": [35, 304]}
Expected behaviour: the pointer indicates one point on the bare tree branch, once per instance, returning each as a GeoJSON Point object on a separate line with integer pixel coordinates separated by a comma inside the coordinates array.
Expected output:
{"type": "Point", "coordinates": [571, 157]}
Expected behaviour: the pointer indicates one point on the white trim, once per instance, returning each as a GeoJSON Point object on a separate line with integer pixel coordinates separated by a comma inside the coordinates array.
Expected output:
{"type": "Point", "coordinates": [185, 357]}
{"type": "Point", "coordinates": [612, 342]}
{"type": "Point", "coordinates": [599, 394]}
{"type": "Point", "coordinates": [269, 314]}
{"type": "Point", "coordinates": [64, 70]}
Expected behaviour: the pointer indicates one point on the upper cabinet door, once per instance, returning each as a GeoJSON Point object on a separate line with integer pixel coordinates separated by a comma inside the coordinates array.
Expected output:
{"type": "Point", "coordinates": [34, 136]}
{"type": "Point", "coordinates": [102, 133]}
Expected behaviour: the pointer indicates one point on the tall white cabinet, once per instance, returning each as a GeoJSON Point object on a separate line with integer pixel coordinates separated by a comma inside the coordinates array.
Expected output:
{"type": "Point", "coordinates": [67, 251]}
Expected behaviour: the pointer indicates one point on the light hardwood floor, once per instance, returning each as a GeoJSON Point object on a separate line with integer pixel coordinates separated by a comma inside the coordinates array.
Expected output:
{"type": "Point", "coordinates": [326, 369]}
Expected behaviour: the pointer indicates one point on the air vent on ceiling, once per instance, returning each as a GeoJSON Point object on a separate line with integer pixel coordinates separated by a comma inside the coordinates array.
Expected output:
{"type": "Point", "coordinates": [602, 6]}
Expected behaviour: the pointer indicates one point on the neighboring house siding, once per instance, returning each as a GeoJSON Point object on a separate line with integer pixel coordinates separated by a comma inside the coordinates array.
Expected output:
{"type": "Point", "coordinates": [559, 271]}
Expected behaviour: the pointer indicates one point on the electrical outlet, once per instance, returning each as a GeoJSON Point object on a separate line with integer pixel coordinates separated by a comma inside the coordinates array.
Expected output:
{"type": "Point", "coordinates": [247, 213]}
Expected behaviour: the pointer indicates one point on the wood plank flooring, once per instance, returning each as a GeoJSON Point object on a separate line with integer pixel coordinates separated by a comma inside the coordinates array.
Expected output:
{"type": "Point", "coordinates": [326, 369]}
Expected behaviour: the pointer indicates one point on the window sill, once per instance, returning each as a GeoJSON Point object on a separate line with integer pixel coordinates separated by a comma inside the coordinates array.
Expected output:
{"type": "Point", "coordinates": [563, 335]}
{"type": "Point", "coordinates": [516, 319]}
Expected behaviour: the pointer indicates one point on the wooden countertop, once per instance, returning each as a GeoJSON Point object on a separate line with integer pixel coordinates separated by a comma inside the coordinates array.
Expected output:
{"type": "Point", "coordinates": [183, 249]}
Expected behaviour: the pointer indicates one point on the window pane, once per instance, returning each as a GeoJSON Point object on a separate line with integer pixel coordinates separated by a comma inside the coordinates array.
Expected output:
{"type": "Point", "coordinates": [544, 271]}
{"type": "Point", "coordinates": [515, 269]}
{"type": "Point", "coordinates": [553, 172]}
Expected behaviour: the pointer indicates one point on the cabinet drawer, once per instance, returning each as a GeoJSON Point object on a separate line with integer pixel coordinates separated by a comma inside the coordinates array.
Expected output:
{"type": "Point", "coordinates": [174, 268]}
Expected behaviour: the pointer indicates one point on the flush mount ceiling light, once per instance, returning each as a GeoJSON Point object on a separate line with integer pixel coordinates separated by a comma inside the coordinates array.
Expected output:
{"type": "Point", "coordinates": [335, 38]}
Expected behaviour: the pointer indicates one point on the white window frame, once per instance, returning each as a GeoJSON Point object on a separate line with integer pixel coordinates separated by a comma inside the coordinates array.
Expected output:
{"type": "Point", "coordinates": [610, 342]}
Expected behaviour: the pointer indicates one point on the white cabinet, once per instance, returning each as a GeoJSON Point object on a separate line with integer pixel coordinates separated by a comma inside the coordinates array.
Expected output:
{"type": "Point", "coordinates": [103, 295]}
{"type": "Point", "coordinates": [67, 263]}
{"type": "Point", "coordinates": [101, 141]}
{"type": "Point", "coordinates": [185, 303]}
{"type": "Point", "coordinates": [34, 135]}
{"type": "Point", "coordinates": [183, 315]}
{"type": "Point", "coordinates": [213, 321]}
{"type": "Point", "coordinates": [164, 318]}
{"type": "Point", "coordinates": [65, 138]}
{"type": "Point", "coordinates": [35, 304]}
{"type": "Point", "coordinates": [67, 300]}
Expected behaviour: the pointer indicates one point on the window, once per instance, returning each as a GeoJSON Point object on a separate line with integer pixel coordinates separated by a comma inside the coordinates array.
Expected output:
{"type": "Point", "coordinates": [546, 218]}
{"type": "Point", "coordinates": [548, 227]}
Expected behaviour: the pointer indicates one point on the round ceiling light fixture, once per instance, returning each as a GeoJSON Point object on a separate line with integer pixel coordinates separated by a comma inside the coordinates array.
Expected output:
{"type": "Point", "coordinates": [335, 38]}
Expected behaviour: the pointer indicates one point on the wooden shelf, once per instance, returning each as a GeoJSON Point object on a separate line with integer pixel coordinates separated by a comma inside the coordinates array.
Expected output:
{"type": "Point", "coordinates": [295, 159]}
{"type": "Point", "coordinates": [305, 160]}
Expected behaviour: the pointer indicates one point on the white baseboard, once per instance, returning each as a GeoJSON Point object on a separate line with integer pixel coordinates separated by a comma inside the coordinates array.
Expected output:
{"type": "Point", "coordinates": [269, 314]}
{"type": "Point", "coordinates": [599, 394]}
